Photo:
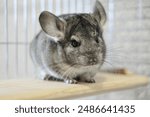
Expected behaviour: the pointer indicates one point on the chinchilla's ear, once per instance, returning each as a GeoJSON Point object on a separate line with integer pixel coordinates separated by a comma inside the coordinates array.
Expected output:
{"type": "Point", "coordinates": [52, 25]}
{"type": "Point", "coordinates": [99, 13]}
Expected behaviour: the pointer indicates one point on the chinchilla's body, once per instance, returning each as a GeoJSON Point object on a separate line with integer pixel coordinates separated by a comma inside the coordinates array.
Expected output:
{"type": "Point", "coordinates": [70, 47]}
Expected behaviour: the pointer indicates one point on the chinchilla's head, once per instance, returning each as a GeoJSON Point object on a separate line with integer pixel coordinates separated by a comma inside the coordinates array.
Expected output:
{"type": "Point", "coordinates": [80, 35]}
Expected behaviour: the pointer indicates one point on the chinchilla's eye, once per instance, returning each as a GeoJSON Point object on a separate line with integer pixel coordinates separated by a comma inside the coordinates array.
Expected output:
{"type": "Point", "coordinates": [74, 43]}
{"type": "Point", "coordinates": [94, 33]}
{"type": "Point", "coordinates": [97, 41]}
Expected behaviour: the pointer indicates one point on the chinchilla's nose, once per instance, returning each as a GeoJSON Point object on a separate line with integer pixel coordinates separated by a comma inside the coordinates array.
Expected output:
{"type": "Point", "coordinates": [91, 50]}
{"type": "Point", "coordinates": [93, 61]}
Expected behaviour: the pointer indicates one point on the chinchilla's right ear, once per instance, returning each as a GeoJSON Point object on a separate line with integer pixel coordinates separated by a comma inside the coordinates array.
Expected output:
{"type": "Point", "coordinates": [52, 25]}
{"type": "Point", "coordinates": [99, 13]}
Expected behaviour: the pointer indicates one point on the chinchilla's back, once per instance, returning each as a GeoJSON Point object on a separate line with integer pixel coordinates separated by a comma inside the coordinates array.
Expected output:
{"type": "Point", "coordinates": [43, 49]}
{"type": "Point", "coordinates": [36, 49]}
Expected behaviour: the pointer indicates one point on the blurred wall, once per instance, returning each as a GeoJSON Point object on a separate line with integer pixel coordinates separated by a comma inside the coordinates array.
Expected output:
{"type": "Point", "coordinates": [128, 34]}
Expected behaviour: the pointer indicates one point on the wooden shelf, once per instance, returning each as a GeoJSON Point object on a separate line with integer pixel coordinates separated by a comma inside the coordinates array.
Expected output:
{"type": "Point", "coordinates": [39, 89]}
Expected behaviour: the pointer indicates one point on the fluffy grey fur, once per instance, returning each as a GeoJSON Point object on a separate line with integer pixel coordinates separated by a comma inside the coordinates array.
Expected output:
{"type": "Point", "coordinates": [70, 47]}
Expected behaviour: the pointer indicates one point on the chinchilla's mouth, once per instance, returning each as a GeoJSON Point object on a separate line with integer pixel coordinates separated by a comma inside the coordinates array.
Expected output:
{"type": "Point", "coordinates": [84, 66]}
{"type": "Point", "coordinates": [87, 66]}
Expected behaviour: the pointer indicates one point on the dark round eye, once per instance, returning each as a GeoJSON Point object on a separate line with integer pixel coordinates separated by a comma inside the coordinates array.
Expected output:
{"type": "Point", "coordinates": [74, 43]}
{"type": "Point", "coordinates": [97, 41]}
{"type": "Point", "coordinates": [94, 33]}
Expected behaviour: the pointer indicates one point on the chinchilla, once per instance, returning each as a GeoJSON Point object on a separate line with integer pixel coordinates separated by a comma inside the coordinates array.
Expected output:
{"type": "Point", "coordinates": [70, 47]}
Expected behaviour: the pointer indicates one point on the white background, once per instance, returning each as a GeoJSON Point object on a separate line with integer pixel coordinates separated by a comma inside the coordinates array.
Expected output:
{"type": "Point", "coordinates": [7, 108]}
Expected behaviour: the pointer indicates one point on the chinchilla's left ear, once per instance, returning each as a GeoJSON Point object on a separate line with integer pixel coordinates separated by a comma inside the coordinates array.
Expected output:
{"type": "Point", "coordinates": [99, 13]}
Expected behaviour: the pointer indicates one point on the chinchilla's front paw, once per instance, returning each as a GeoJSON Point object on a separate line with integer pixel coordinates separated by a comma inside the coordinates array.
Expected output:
{"type": "Point", "coordinates": [70, 81]}
{"type": "Point", "coordinates": [88, 77]}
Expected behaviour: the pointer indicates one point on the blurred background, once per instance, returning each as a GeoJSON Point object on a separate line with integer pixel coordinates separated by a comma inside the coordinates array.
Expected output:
{"type": "Point", "coordinates": [127, 32]}
{"type": "Point", "coordinates": [127, 36]}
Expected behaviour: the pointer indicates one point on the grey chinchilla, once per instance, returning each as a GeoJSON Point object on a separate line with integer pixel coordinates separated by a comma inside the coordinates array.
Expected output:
{"type": "Point", "coordinates": [70, 47]}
